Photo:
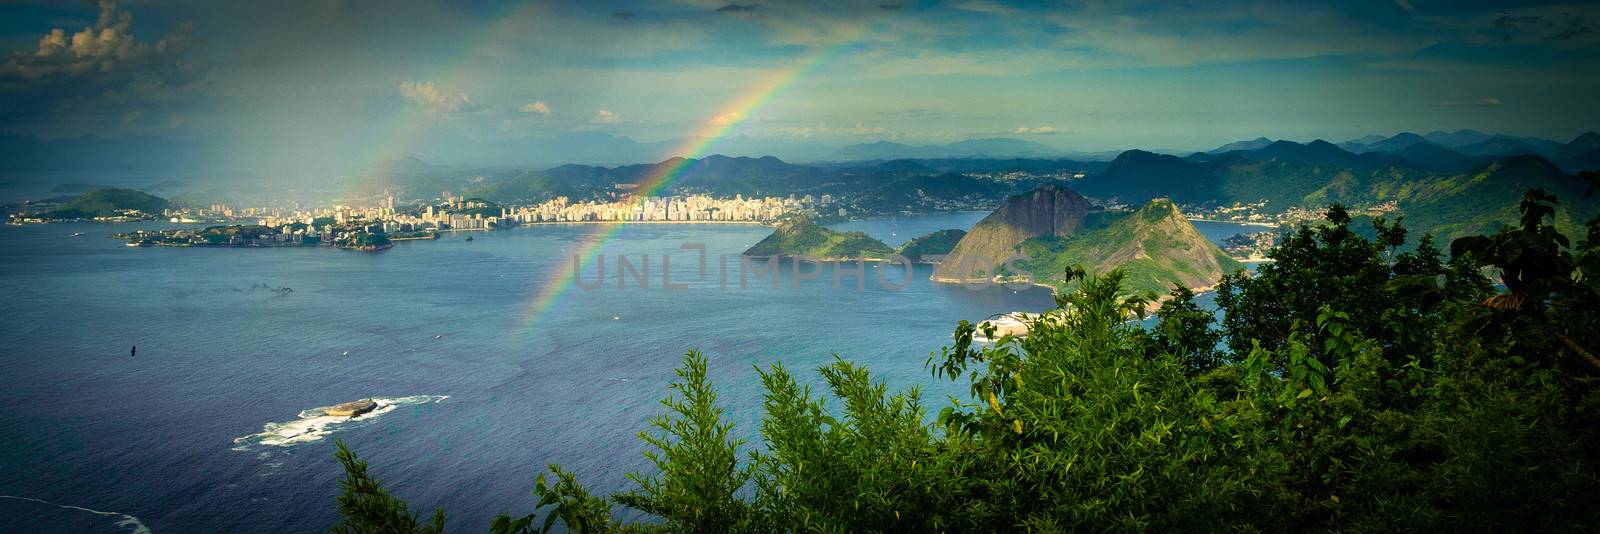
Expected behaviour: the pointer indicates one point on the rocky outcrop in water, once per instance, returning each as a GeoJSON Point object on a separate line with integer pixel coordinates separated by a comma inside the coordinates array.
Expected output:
{"type": "Point", "coordinates": [352, 408]}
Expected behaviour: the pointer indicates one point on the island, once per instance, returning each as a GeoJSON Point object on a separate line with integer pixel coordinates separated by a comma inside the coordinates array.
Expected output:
{"type": "Point", "coordinates": [923, 249]}
{"type": "Point", "coordinates": [799, 236]}
{"type": "Point", "coordinates": [352, 236]}
{"type": "Point", "coordinates": [96, 204]}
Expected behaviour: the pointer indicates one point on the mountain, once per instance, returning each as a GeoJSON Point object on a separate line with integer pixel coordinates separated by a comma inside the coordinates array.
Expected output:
{"type": "Point", "coordinates": [1476, 200]}
{"type": "Point", "coordinates": [1500, 145]}
{"type": "Point", "coordinates": [1283, 172]}
{"type": "Point", "coordinates": [920, 192]}
{"type": "Point", "coordinates": [1587, 142]}
{"type": "Point", "coordinates": [1439, 158]}
{"type": "Point", "coordinates": [1456, 139]}
{"type": "Point", "coordinates": [936, 243]}
{"type": "Point", "coordinates": [1587, 161]}
{"type": "Point", "coordinates": [799, 236]}
{"type": "Point", "coordinates": [1252, 144]}
{"type": "Point", "coordinates": [1050, 210]}
{"type": "Point", "coordinates": [1392, 144]}
{"type": "Point", "coordinates": [1155, 245]}
{"type": "Point", "coordinates": [106, 202]}
{"type": "Point", "coordinates": [1138, 176]}
{"type": "Point", "coordinates": [1318, 152]}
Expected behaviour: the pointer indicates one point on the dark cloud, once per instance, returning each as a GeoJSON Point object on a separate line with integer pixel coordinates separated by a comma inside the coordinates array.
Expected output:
{"type": "Point", "coordinates": [1575, 27]}
{"type": "Point", "coordinates": [96, 69]}
{"type": "Point", "coordinates": [1523, 29]}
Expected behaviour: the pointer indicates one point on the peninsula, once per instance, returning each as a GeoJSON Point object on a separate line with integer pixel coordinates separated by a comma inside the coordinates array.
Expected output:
{"type": "Point", "coordinates": [1038, 235]}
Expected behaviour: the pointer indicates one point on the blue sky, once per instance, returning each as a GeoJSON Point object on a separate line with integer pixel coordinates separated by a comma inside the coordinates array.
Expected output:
{"type": "Point", "coordinates": [341, 78]}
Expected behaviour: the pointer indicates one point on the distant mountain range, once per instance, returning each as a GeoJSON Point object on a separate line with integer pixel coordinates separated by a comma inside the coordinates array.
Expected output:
{"type": "Point", "coordinates": [1438, 189]}
{"type": "Point", "coordinates": [1454, 151]}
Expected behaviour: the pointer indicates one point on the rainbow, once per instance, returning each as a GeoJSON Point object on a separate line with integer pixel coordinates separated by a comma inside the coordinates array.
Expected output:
{"type": "Point", "coordinates": [697, 145]}
{"type": "Point", "coordinates": [399, 136]}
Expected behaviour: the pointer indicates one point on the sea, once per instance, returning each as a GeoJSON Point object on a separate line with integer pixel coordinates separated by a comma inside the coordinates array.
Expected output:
{"type": "Point", "coordinates": [179, 389]}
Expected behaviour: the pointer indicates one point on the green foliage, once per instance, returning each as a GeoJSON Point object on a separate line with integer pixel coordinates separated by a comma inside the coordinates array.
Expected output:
{"type": "Point", "coordinates": [368, 509]}
{"type": "Point", "coordinates": [1365, 389]}
{"type": "Point", "coordinates": [1186, 333]}
{"type": "Point", "coordinates": [940, 242]}
{"type": "Point", "coordinates": [698, 461]}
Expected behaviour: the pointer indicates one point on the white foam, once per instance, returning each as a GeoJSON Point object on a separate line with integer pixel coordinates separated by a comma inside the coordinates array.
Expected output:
{"type": "Point", "coordinates": [315, 424]}
{"type": "Point", "coordinates": [128, 522]}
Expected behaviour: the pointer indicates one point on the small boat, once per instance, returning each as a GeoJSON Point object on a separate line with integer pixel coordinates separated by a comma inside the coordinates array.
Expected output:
{"type": "Point", "coordinates": [469, 238]}
{"type": "Point", "coordinates": [77, 234]}
{"type": "Point", "coordinates": [438, 336]}
{"type": "Point", "coordinates": [346, 353]}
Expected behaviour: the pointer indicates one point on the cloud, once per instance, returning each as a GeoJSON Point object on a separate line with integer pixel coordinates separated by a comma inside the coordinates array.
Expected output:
{"type": "Point", "coordinates": [985, 6]}
{"type": "Point", "coordinates": [1037, 130]}
{"type": "Point", "coordinates": [1485, 102]}
{"type": "Point", "coordinates": [101, 70]}
{"type": "Point", "coordinates": [433, 98]}
{"type": "Point", "coordinates": [536, 107]}
{"type": "Point", "coordinates": [865, 130]}
{"type": "Point", "coordinates": [606, 116]}
{"type": "Point", "coordinates": [726, 119]}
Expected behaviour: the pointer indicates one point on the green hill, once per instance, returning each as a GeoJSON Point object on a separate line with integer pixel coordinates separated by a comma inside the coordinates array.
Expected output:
{"type": "Point", "coordinates": [937, 243]}
{"type": "Point", "coordinates": [799, 236]}
{"type": "Point", "coordinates": [1155, 244]}
{"type": "Point", "coordinates": [107, 202]}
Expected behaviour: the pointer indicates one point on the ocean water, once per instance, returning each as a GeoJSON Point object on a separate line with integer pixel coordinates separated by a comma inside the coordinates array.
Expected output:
{"type": "Point", "coordinates": [213, 425]}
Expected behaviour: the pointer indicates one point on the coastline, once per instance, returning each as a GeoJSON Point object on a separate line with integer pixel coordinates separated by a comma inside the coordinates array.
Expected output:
{"type": "Point", "coordinates": [558, 223]}
{"type": "Point", "coordinates": [1246, 223]}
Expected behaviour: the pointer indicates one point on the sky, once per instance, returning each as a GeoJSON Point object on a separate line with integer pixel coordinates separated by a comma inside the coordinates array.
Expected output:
{"type": "Point", "coordinates": [360, 81]}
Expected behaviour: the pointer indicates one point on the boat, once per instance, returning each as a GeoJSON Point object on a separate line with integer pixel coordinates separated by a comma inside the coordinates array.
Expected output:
{"type": "Point", "coordinates": [352, 408]}
{"type": "Point", "coordinates": [469, 238]}
{"type": "Point", "coordinates": [77, 234]}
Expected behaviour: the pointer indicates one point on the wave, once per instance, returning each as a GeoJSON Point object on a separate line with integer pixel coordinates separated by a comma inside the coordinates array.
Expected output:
{"type": "Point", "coordinates": [315, 424]}
{"type": "Point", "coordinates": [131, 523]}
